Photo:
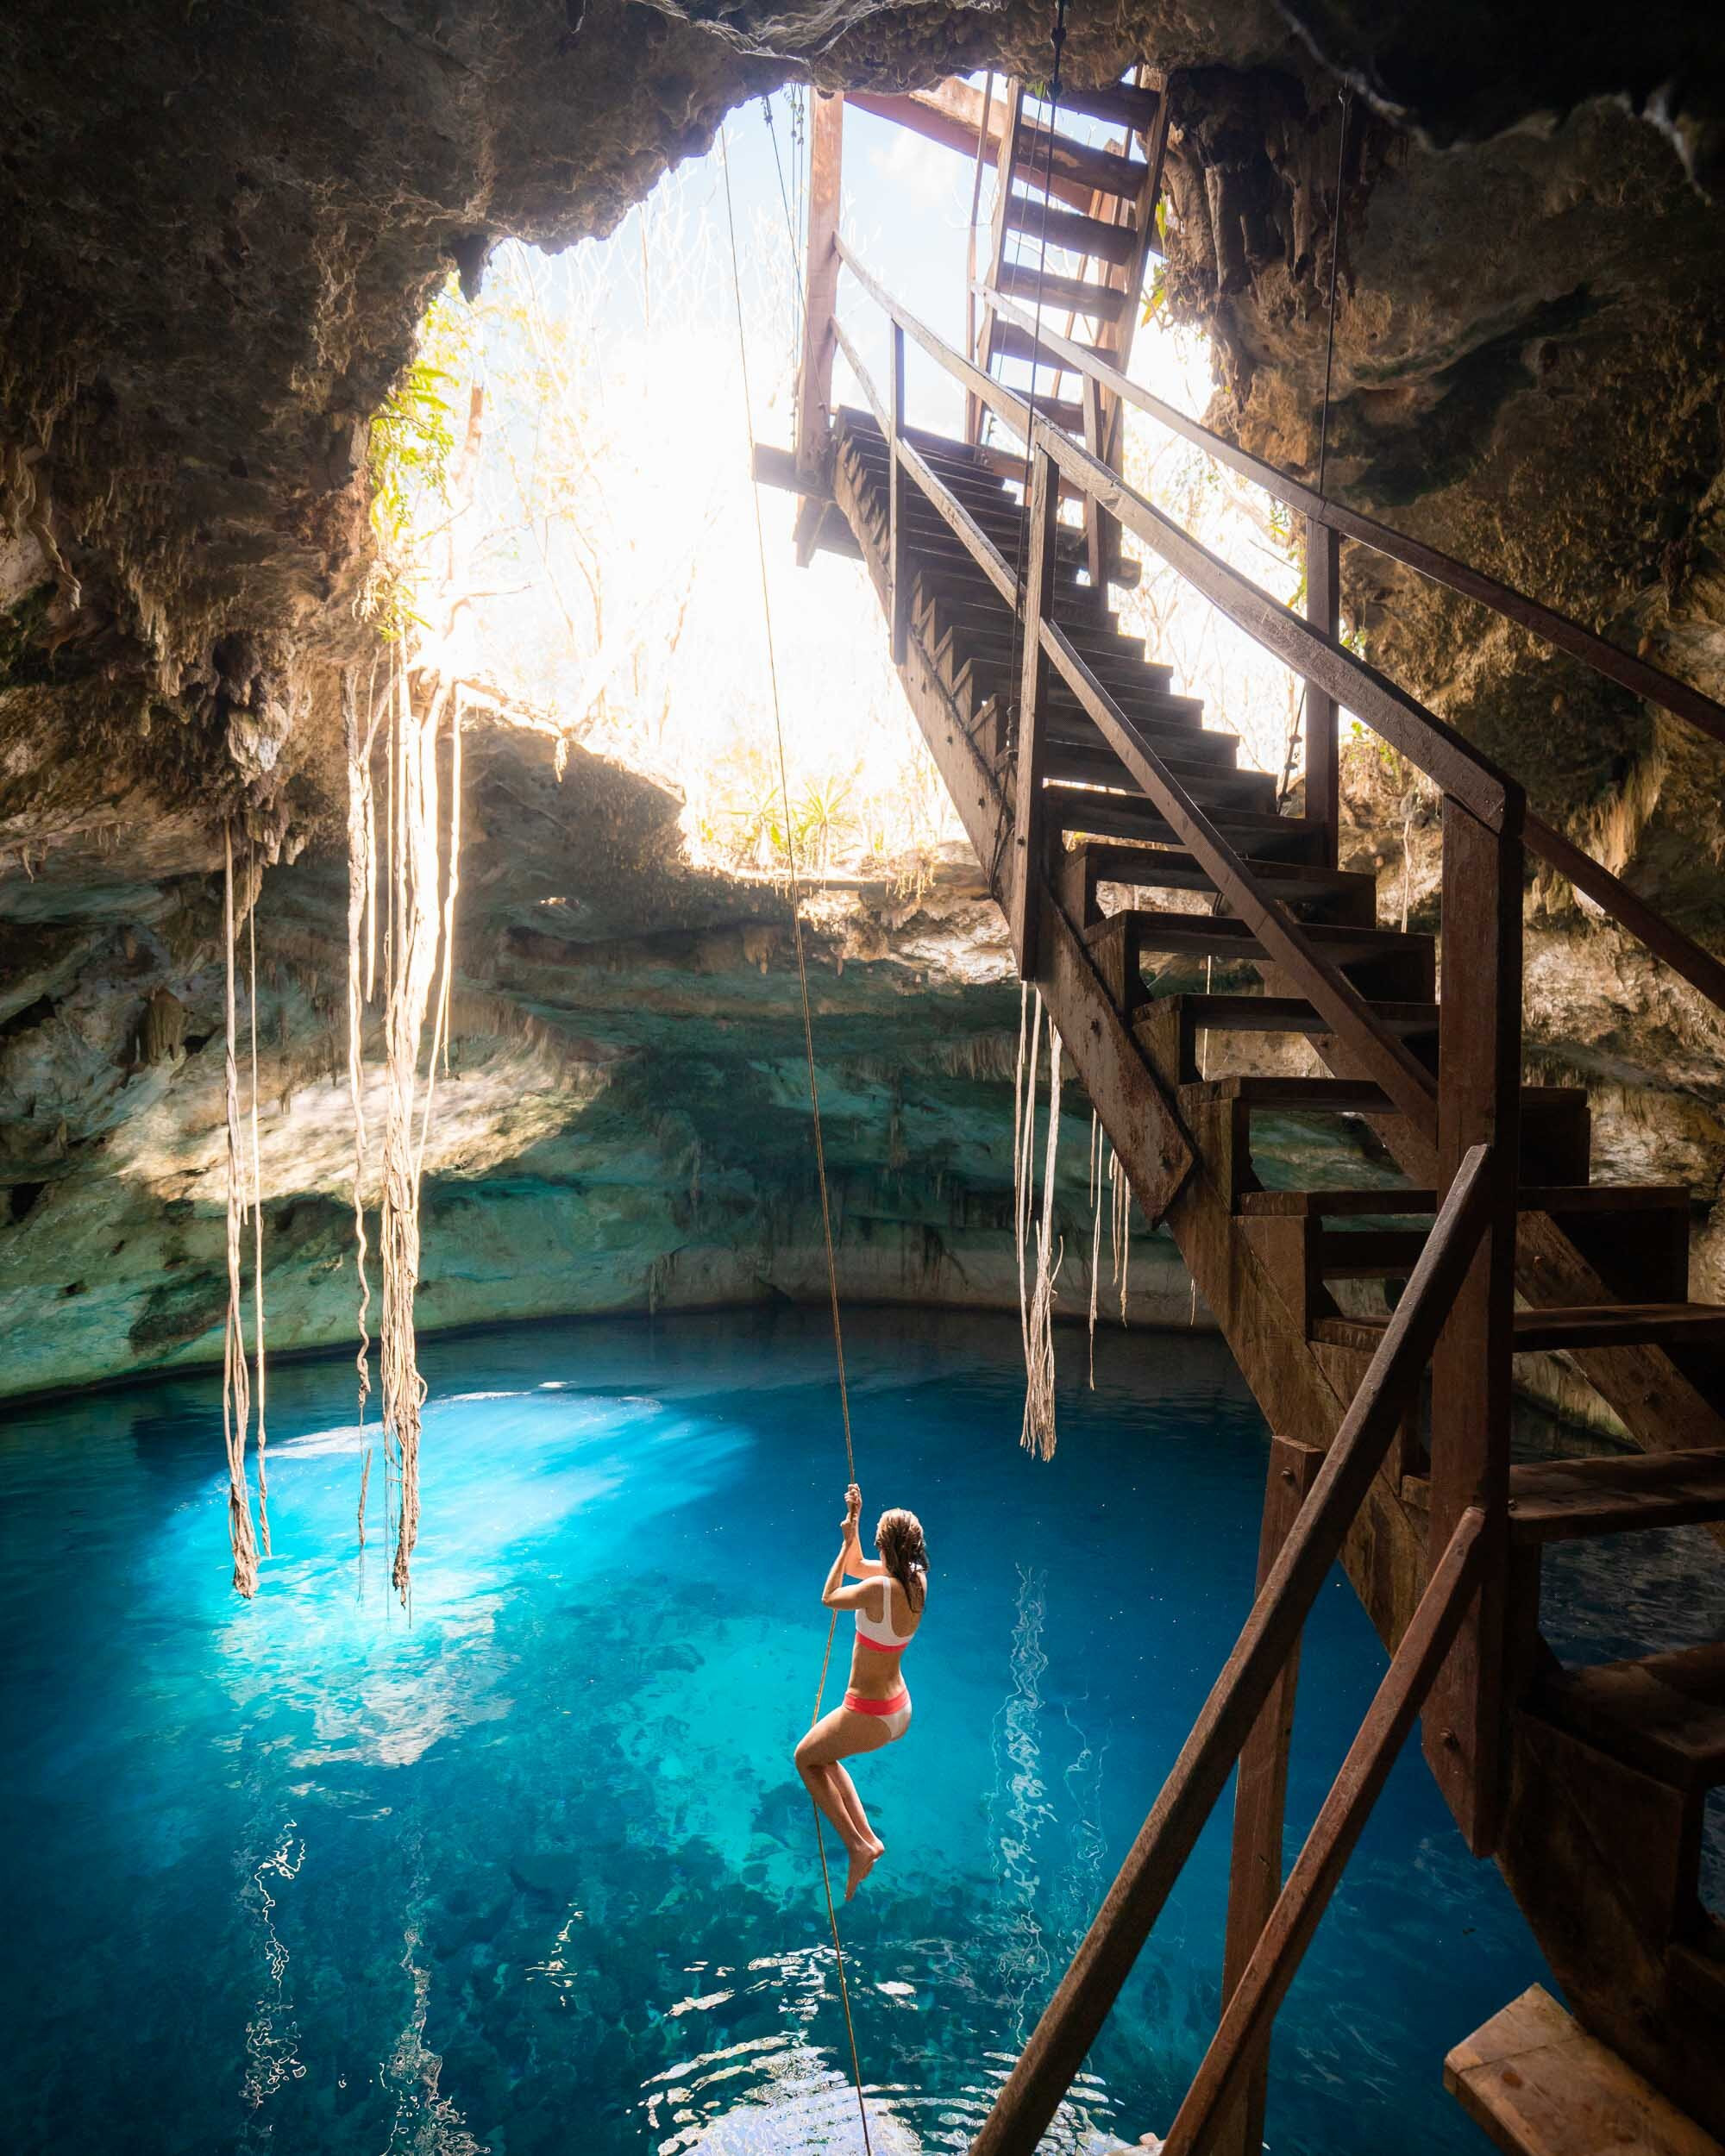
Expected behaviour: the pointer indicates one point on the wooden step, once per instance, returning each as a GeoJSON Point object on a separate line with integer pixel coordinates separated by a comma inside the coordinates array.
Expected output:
{"type": "Point", "coordinates": [1224, 936]}
{"type": "Point", "coordinates": [1006, 340]}
{"type": "Point", "coordinates": [1574, 1326]}
{"type": "Point", "coordinates": [1102, 302]}
{"type": "Point", "coordinates": [1165, 868]}
{"type": "Point", "coordinates": [1367, 1253]}
{"type": "Point", "coordinates": [973, 487]}
{"type": "Point", "coordinates": [1145, 700]}
{"type": "Point", "coordinates": [1100, 647]}
{"type": "Point", "coordinates": [1180, 747]}
{"type": "Point", "coordinates": [1293, 1014]}
{"type": "Point", "coordinates": [1122, 104]}
{"type": "Point", "coordinates": [1387, 1203]}
{"type": "Point", "coordinates": [1562, 1201]}
{"type": "Point", "coordinates": [957, 576]}
{"type": "Point", "coordinates": [1103, 171]}
{"type": "Point", "coordinates": [1664, 1714]}
{"type": "Point", "coordinates": [1091, 238]}
{"type": "Point", "coordinates": [1538, 2084]}
{"type": "Point", "coordinates": [1171, 1025]}
{"type": "Point", "coordinates": [1101, 815]}
{"type": "Point", "coordinates": [1567, 1500]}
{"type": "Point", "coordinates": [963, 459]}
{"type": "Point", "coordinates": [1209, 786]}
{"type": "Point", "coordinates": [991, 616]}
{"type": "Point", "coordinates": [1276, 1095]}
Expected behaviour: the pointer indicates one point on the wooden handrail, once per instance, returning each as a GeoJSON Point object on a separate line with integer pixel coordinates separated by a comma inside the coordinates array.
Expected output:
{"type": "Point", "coordinates": [1651, 683]}
{"type": "Point", "coordinates": [1434, 748]}
{"type": "Point", "coordinates": [1385, 1058]}
{"type": "Point", "coordinates": [1070, 2022]}
{"type": "Point", "coordinates": [1681, 953]}
{"type": "Point", "coordinates": [1439, 751]}
{"type": "Point", "coordinates": [1668, 943]}
{"type": "Point", "coordinates": [1245, 2022]}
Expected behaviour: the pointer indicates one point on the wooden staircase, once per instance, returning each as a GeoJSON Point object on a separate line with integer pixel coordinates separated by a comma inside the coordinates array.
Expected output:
{"type": "Point", "coordinates": [1128, 844]}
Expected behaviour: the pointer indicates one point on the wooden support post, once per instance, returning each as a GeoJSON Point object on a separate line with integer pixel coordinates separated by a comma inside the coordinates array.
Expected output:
{"type": "Point", "coordinates": [1479, 1102]}
{"type": "Point", "coordinates": [1031, 2094]}
{"type": "Point", "coordinates": [1323, 611]}
{"type": "Point", "coordinates": [1261, 1792]}
{"type": "Point", "coordinates": [1239, 2042]}
{"type": "Point", "coordinates": [1101, 533]}
{"type": "Point", "coordinates": [814, 374]}
{"type": "Point", "coordinates": [898, 523]}
{"type": "Point", "coordinates": [1028, 821]}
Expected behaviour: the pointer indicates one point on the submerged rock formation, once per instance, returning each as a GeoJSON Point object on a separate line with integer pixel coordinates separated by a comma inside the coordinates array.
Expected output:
{"type": "Point", "coordinates": [228, 225]}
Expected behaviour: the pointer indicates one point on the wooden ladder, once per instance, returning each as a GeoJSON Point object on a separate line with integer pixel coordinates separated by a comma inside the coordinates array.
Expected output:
{"type": "Point", "coordinates": [1126, 845]}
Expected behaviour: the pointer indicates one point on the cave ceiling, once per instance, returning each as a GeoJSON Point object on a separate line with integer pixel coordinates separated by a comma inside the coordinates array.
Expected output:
{"type": "Point", "coordinates": [227, 220]}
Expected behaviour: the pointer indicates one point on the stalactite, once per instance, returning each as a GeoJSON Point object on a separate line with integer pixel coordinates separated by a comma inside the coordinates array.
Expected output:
{"type": "Point", "coordinates": [235, 1389]}
{"type": "Point", "coordinates": [1120, 1191]}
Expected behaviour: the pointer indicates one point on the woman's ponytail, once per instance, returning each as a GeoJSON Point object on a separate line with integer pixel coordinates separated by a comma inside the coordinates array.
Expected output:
{"type": "Point", "coordinates": [905, 1554]}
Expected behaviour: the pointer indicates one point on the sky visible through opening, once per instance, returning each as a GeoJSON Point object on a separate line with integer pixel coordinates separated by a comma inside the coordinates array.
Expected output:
{"type": "Point", "coordinates": [616, 577]}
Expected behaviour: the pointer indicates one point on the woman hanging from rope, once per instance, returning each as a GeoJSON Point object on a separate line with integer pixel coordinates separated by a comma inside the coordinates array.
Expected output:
{"type": "Point", "coordinates": [888, 1602]}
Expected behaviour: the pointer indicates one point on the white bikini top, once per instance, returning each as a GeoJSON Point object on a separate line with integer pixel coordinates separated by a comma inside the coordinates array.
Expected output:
{"type": "Point", "coordinates": [882, 1636]}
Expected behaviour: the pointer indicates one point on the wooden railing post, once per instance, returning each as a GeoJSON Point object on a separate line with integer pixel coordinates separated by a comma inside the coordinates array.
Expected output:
{"type": "Point", "coordinates": [1479, 1102]}
{"type": "Point", "coordinates": [820, 300]}
{"type": "Point", "coordinates": [1261, 1792]}
{"type": "Point", "coordinates": [1323, 611]}
{"type": "Point", "coordinates": [898, 538]}
{"type": "Point", "coordinates": [1027, 809]}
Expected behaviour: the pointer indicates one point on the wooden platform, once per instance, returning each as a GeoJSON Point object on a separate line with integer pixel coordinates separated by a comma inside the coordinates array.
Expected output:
{"type": "Point", "coordinates": [1540, 2086]}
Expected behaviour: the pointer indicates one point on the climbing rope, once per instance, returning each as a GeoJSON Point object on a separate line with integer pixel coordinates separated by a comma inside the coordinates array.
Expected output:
{"type": "Point", "coordinates": [814, 1105]}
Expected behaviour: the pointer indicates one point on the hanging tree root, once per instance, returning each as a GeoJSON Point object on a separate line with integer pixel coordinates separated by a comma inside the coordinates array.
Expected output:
{"type": "Point", "coordinates": [235, 1387]}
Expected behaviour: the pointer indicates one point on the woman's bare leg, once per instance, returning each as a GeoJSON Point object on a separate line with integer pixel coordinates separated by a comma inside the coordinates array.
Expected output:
{"type": "Point", "coordinates": [838, 1735]}
{"type": "Point", "coordinates": [853, 1804]}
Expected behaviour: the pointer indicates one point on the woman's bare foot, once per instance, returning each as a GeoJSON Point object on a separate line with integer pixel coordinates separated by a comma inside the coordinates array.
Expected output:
{"type": "Point", "coordinates": [863, 1859]}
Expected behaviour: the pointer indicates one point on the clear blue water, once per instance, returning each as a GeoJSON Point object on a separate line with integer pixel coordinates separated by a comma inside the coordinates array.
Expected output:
{"type": "Point", "coordinates": [532, 1872]}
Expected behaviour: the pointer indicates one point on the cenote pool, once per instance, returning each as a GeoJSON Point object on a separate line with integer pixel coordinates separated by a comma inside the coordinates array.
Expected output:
{"type": "Point", "coordinates": [532, 1871]}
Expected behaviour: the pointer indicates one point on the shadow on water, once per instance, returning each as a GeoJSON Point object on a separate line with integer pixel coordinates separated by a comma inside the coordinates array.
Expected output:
{"type": "Point", "coordinates": [532, 1870]}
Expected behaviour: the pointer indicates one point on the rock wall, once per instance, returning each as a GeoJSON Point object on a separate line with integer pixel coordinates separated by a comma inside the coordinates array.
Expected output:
{"type": "Point", "coordinates": [624, 1124]}
{"type": "Point", "coordinates": [225, 222]}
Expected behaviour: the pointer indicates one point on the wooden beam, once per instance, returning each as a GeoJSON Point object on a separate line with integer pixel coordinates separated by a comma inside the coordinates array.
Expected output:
{"type": "Point", "coordinates": [952, 115]}
{"type": "Point", "coordinates": [820, 286]}
{"type": "Point", "coordinates": [1479, 1103]}
{"type": "Point", "coordinates": [1261, 1793]}
{"type": "Point", "coordinates": [1029, 825]}
{"type": "Point", "coordinates": [1244, 2030]}
{"type": "Point", "coordinates": [1323, 611]}
{"type": "Point", "coordinates": [1031, 2093]}
{"type": "Point", "coordinates": [898, 523]}
{"type": "Point", "coordinates": [773, 467]}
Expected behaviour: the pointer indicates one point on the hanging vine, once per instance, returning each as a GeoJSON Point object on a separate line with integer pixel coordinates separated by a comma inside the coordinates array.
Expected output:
{"type": "Point", "coordinates": [236, 1385]}
{"type": "Point", "coordinates": [1036, 1288]}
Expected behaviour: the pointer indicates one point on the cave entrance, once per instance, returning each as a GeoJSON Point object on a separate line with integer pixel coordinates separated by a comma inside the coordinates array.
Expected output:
{"type": "Point", "coordinates": [611, 587]}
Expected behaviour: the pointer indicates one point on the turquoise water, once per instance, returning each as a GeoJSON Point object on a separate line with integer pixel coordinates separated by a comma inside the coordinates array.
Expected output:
{"type": "Point", "coordinates": [532, 1871]}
